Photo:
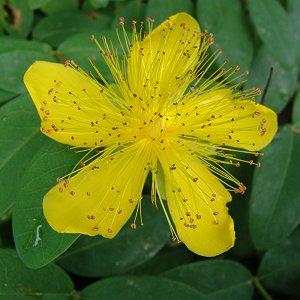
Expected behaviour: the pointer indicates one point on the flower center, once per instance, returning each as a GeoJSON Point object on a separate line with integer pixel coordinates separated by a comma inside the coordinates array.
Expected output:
{"type": "Point", "coordinates": [154, 129]}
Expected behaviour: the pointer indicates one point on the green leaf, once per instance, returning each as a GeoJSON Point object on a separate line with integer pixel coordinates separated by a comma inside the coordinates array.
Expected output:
{"type": "Point", "coordinates": [81, 48]}
{"type": "Point", "coordinates": [280, 267]}
{"type": "Point", "coordinates": [239, 207]}
{"type": "Point", "coordinates": [227, 22]}
{"type": "Point", "coordinates": [296, 110]}
{"type": "Point", "coordinates": [160, 12]}
{"type": "Point", "coordinates": [275, 199]}
{"type": "Point", "coordinates": [56, 6]}
{"type": "Point", "coordinates": [137, 288]}
{"type": "Point", "coordinates": [34, 4]}
{"type": "Point", "coordinates": [294, 13]}
{"type": "Point", "coordinates": [20, 137]}
{"type": "Point", "coordinates": [97, 256]}
{"type": "Point", "coordinates": [216, 279]}
{"type": "Point", "coordinates": [13, 66]}
{"type": "Point", "coordinates": [36, 242]}
{"type": "Point", "coordinates": [6, 96]}
{"type": "Point", "coordinates": [168, 258]}
{"type": "Point", "coordinates": [275, 30]}
{"type": "Point", "coordinates": [16, 17]}
{"type": "Point", "coordinates": [20, 283]}
{"type": "Point", "coordinates": [57, 27]}
{"type": "Point", "coordinates": [283, 81]}
{"type": "Point", "coordinates": [129, 10]}
{"type": "Point", "coordinates": [99, 3]}
{"type": "Point", "coordinates": [8, 44]}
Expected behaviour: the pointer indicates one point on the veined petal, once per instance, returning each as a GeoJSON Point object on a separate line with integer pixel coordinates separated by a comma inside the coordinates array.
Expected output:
{"type": "Point", "coordinates": [71, 105]}
{"type": "Point", "coordinates": [197, 203]}
{"type": "Point", "coordinates": [217, 117]}
{"type": "Point", "coordinates": [99, 199]}
{"type": "Point", "coordinates": [160, 63]}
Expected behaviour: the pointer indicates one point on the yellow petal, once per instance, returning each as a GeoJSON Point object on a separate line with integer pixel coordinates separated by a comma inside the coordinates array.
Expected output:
{"type": "Point", "coordinates": [99, 199]}
{"type": "Point", "coordinates": [222, 120]}
{"type": "Point", "coordinates": [197, 203]}
{"type": "Point", "coordinates": [71, 105]}
{"type": "Point", "coordinates": [165, 56]}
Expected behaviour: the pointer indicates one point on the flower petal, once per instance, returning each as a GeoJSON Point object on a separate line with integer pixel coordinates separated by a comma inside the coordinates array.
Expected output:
{"type": "Point", "coordinates": [222, 120]}
{"type": "Point", "coordinates": [160, 62]}
{"type": "Point", "coordinates": [100, 199]}
{"type": "Point", "coordinates": [197, 203]}
{"type": "Point", "coordinates": [71, 105]}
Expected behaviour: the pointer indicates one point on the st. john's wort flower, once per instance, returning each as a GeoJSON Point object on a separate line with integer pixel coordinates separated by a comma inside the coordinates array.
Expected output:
{"type": "Point", "coordinates": [166, 113]}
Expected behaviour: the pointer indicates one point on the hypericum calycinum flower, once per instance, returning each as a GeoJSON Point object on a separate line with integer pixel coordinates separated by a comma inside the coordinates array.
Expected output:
{"type": "Point", "coordinates": [164, 114]}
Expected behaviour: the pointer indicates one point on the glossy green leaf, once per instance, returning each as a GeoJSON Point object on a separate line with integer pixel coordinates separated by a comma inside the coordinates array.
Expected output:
{"type": "Point", "coordinates": [97, 256]}
{"type": "Point", "coordinates": [160, 12]}
{"type": "Point", "coordinates": [129, 10]}
{"type": "Point", "coordinates": [275, 30]}
{"type": "Point", "coordinates": [280, 267]}
{"type": "Point", "coordinates": [2, 17]}
{"type": "Point", "coordinates": [239, 207]}
{"type": "Point", "coordinates": [36, 242]}
{"type": "Point", "coordinates": [294, 14]}
{"type": "Point", "coordinates": [275, 199]}
{"type": "Point", "coordinates": [17, 282]}
{"type": "Point", "coordinates": [283, 81]}
{"type": "Point", "coordinates": [6, 96]}
{"type": "Point", "coordinates": [20, 137]}
{"type": "Point", "coordinates": [8, 44]}
{"type": "Point", "coordinates": [99, 3]}
{"type": "Point", "coordinates": [16, 17]}
{"type": "Point", "coordinates": [227, 22]}
{"type": "Point", "coordinates": [13, 66]}
{"type": "Point", "coordinates": [168, 258]}
{"type": "Point", "coordinates": [56, 6]}
{"type": "Point", "coordinates": [296, 111]}
{"type": "Point", "coordinates": [34, 4]}
{"type": "Point", "coordinates": [81, 48]}
{"type": "Point", "coordinates": [137, 288]}
{"type": "Point", "coordinates": [216, 279]}
{"type": "Point", "coordinates": [57, 27]}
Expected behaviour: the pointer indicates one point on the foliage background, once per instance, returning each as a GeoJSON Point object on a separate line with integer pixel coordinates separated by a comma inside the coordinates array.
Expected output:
{"type": "Point", "coordinates": [258, 35]}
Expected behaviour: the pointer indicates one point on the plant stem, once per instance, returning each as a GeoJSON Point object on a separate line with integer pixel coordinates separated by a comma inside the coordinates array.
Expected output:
{"type": "Point", "coordinates": [261, 289]}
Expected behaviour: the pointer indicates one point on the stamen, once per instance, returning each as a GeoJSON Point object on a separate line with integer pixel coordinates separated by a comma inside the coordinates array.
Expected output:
{"type": "Point", "coordinates": [172, 230]}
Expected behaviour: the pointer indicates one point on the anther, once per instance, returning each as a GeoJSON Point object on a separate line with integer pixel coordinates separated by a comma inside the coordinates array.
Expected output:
{"type": "Point", "coordinates": [121, 21]}
{"type": "Point", "coordinates": [173, 167]}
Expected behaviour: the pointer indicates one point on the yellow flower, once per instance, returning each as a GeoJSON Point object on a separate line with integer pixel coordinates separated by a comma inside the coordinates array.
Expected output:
{"type": "Point", "coordinates": [168, 114]}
